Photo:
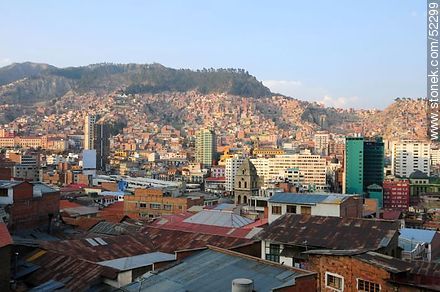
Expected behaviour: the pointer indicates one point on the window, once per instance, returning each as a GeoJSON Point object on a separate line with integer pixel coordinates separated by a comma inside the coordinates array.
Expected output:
{"type": "Point", "coordinates": [273, 252]}
{"type": "Point", "coordinates": [245, 184]}
{"type": "Point", "coordinates": [167, 207]}
{"type": "Point", "coordinates": [276, 210]}
{"type": "Point", "coordinates": [155, 206]}
{"type": "Point", "coordinates": [334, 281]}
{"type": "Point", "coordinates": [3, 192]}
{"type": "Point", "coordinates": [143, 205]}
{"type": "Point", "coordinates": [366, 286]}
{"type": "Point", "coordinates": [291, 209]}
{"type": "Point", "coordinates": [306, 210]}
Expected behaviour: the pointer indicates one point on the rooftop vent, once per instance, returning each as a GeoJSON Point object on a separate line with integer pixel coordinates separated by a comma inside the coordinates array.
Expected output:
{"type": "Point", "coordinates": [242, 285]}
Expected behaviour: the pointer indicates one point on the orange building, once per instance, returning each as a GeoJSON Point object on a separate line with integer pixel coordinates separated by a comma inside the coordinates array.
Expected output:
{"type": "Point", "coordinates": [153, 203]}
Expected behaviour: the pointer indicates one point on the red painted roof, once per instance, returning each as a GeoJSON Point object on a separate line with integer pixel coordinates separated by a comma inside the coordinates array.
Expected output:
{"type": "Point", "coordinates": [391, 214]}
{"type": "Point", "coordinates": [5, 237]}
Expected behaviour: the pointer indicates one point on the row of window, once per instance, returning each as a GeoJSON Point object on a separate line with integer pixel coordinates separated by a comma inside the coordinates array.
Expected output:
{"type": "Point", "coordinates": [156, 206]}
{"type": "Point", "coordinates": [276, 210]}
{"type": "Point", "coordinates": [337, 283]}
{"type": "Point", "coordinates": [334, 281]}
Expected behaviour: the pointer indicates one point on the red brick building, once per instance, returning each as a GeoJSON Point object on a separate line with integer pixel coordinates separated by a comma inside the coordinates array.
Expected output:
{"type": "Point", "coordinates": [340, 270]}
{"type": "Point", "coordinates": [28, 205]}
{"type": "Point", "coordinates": [396, 194]}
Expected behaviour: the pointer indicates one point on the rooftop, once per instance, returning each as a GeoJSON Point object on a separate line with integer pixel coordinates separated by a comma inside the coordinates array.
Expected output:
{"type": "Point", "coordinates": [142, 260]}
{"type": "Point", "coordinates": [417, 235]}
{"type": "Point", "coordinates": [308, 199]}
{"type": "Point", "coordinates": [214, 269]}
{"type": "Point", "coordinates": [76, 274]}
{"type": "Point", "coordinates": [218, 218]}
{"type": "Point", "coordinates": [390, 264]}
{"type": "Point", "coordinates": [331, 232]}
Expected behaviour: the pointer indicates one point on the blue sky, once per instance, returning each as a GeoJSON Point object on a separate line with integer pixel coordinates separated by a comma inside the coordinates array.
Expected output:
{"type": "Point", "coordinates": [344, 53]}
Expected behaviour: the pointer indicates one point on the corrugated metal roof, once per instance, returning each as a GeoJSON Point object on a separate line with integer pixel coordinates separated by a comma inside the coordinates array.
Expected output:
{"type": "Point", "coordinates": [81, 211]}
{"type": "Point", "coordinates": [50, 285]}
{"type": "Point", "coordinates": [218, 218]}
{"type": "Point", "coordinates": [308, 199]}
{"type": "Point", "coordinates": [76, 274]}
{"type": "Point", "coordinates": [331, 232]}
{"type": "Point", "coordinates": [213, 270]}
{"type": "Point", "coordinates": [5, 184]}
{"type": "Point", "coordinates": [138, 261]}
{"type": "Point", "coordinates": [417, 235]}
{"type": "Point", "coordinates": [390, 264]}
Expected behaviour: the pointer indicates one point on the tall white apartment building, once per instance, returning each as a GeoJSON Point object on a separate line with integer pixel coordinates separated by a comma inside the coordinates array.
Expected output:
{"type": "Point", "coordinates": [232, 165]}
{"type": "Point", "coordinates": [262, 166]}
{"type": "Point", "coordinates": [312, 168]}
{"type": "Point", "coordinates": [435, 156]}
{"type": "Point", "coordinates": [409, 156]}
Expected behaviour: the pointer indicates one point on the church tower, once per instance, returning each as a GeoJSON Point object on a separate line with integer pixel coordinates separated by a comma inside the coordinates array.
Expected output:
{"type": "Point", "coordinates": [246, 182]}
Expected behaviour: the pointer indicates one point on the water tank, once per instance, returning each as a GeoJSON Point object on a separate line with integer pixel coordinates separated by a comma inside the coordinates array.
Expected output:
{"type": "Point", "coordinates": [242, 285]}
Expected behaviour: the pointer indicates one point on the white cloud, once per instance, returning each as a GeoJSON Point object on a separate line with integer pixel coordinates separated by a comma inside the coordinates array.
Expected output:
{"type": "Point", "coordinates": [339, 102]}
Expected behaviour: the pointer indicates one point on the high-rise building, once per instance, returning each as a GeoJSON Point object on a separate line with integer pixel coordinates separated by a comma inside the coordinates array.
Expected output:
{"type": "Point", "coordinates": [101, 141]}
{"type": "Point", "coordinates": [354, 166]}
{"type": "Point", "coordinates": [312, 168]}
{"type": "Point", "coordinates": [396, 194]}
{"type": "Point", "coordinates": [363, 164]}
{"type": "Point", "coordinates": [232, 165]}
{"type": "Point", "coordinates": [409, 156]}
{"type": "Point", "coordinates": [321, 141]}
{"type": "Point", "coordinates": [373, 162]}
{"type": "Point", "coordinates": [206, 147]}
{"type": "Point", "coordinates": [89, 129]}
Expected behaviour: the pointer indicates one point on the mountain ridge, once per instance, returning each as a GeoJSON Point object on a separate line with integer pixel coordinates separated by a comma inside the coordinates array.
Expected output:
{"type": "Point", "coordinates": [35, 82]}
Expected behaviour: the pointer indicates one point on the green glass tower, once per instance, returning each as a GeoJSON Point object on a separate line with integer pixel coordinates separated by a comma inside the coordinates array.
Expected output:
{"type": "Point", "coordinates": [364, 163]}
{"type": "Point", "coordinates": [373, 162]}
{"type": "Point", "coordinates": [354, 165]}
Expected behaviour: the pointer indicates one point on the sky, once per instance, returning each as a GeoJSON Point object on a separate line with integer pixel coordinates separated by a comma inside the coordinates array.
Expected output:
{"type": "Point", "coordinates": [343, 53]}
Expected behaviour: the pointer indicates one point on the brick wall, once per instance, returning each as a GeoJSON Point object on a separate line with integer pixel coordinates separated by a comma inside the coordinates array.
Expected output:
{"type": "Point", "coordinates": [33, 212]}
{"type": "Point", "coordinates": [350, 269]}
{"type": "Point", "coordinates": [146, 197]}
{"type": "Point", "coordinates": [302, 284]}
{"type": "Point", "coordinates": [351, 208]}
{"type": "Point", "coordinates": [23, 191]}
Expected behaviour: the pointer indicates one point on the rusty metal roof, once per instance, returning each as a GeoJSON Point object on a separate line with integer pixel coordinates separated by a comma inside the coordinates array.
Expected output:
{"type": "Point", "coordinates": [173, 240]}
{"type": "Point", "coordinates": [76, 274]}
{"type": "Point", "coordinates": [390, 264]}
{"type": "Point", "coordinates": [331, 232]}
{"type": "Point", "coordinates": [98, 249]}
